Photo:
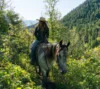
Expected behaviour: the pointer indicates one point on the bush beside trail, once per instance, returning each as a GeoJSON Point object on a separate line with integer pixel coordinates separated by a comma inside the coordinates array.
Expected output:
{"type": "Point", "coordinates": [82, 74]}
{"type": "Point", "coordinates": [14, 77]}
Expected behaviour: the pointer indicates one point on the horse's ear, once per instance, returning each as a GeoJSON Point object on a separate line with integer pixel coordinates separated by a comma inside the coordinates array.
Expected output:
{"type": "Point", "coordinates": [60, 43]}
{"type": "Point", "coordinates": [68, 44]}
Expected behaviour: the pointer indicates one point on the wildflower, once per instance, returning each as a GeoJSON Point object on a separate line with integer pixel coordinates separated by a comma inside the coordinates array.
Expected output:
{"type": "Point", "coordinates": [18, 88]}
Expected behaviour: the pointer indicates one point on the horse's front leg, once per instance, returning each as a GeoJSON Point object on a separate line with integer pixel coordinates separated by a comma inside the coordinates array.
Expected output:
{"type": "Point", "coordinates": [45, 78]}
{"type": "Point", "coordinates": [48, 73]}
{"type": "Point", "coordinates": [46, 83]}
{"type": "Point", "coordinates": [38, 70]}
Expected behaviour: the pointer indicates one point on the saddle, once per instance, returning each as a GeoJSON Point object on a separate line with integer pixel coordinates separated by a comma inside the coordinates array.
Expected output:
{"type": "Point", "coordinates": [35, 62]}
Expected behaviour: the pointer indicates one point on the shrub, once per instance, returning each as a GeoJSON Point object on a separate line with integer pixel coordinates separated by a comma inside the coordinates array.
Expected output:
{"type": "Point", "coordinates": [14, 77]}
{"type": "Point", "coordinates": [82, 74]}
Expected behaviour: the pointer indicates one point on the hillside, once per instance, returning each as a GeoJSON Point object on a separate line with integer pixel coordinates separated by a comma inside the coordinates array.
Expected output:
{"type": "Point", "coordinates": [88, 12]}
{"type": "Point", "coordinates": [85, 20]}
{"type": "Point", "coordinates": [32, 26]}
{"type": "Point", "coordinates": [29, 22]}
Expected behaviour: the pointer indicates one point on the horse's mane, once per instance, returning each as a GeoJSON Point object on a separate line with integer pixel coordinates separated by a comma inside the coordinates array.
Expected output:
{"type": "Point", "coordinates": [49, 49]}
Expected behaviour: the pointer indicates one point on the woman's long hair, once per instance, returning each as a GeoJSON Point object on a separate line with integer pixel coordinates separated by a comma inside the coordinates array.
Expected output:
{"type": "Point", "coordinates": [42, 25]}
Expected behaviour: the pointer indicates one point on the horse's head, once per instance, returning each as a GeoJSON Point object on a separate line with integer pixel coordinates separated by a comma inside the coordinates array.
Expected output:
{"type": "Point", "coordinates": [62, 55]}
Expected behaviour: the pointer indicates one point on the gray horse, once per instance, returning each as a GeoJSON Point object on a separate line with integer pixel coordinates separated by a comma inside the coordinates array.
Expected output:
{"type": "Point", "coordinates": [47, 54]}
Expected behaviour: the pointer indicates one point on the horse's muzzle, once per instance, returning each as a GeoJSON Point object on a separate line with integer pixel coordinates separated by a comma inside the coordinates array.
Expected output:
{"type": "Point", "coordinates": [64, 71]}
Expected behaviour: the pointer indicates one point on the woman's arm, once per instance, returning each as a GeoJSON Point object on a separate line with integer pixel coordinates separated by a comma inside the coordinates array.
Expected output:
{"type": "Point", "coordinates": [47, 33]}
{"type": "Point", "coordinates": [36, 32]}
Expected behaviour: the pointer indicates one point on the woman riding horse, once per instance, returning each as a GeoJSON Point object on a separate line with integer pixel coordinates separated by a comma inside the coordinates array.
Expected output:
{"type": "Point", "coordinates": [41, 33]}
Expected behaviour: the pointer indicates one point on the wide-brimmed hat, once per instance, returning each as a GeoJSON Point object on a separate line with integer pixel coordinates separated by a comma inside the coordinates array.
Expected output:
{"type": "Point", "coordinates": [42, 19]}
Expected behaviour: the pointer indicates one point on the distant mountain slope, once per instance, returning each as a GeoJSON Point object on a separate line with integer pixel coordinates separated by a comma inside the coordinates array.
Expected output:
{"type": "Point", "coordinates": [87, 12]}
{"type": "Point", "coordinates": [29, 22]}
{"type": "Point", "coordinates": [32, 26]}
{"type": "Point", "coordinates": [85, 22]}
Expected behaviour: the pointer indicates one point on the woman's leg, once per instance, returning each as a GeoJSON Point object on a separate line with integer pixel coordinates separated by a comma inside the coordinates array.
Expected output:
{"type": "Point", "coordinates": [33, 48]}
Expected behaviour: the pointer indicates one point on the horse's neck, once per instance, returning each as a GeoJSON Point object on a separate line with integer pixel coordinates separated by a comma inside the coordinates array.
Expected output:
{"type": "Point", "coordinates": [54, 51]}
{"type": "Point", "coordinates": [49, 49]}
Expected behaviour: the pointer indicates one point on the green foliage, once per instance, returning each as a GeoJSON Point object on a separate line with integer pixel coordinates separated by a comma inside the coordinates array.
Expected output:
{"type": "Point", "coordinates": [14, 77]}
{"type": "Point", "coordinates": [54, 17]}
{"type": "Point", "coordinates": [83, 14]}
{"type": "Point", "coordinates": [83, 64]}
{"type": "Point", "coordinates": [82, 74]}
{"type": "Point", "coordinates": [14, 19]}
{"type": "Point", "coordinates": [84, 25]}
{"type": "Point", "coordinates": [3, 24]}
{"type": "Point", "coordinates": [20, 41]}
{"type": "Point", "coordinates": [15, 69]}
{"type": "Point", "coordinates": [2, 5]}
